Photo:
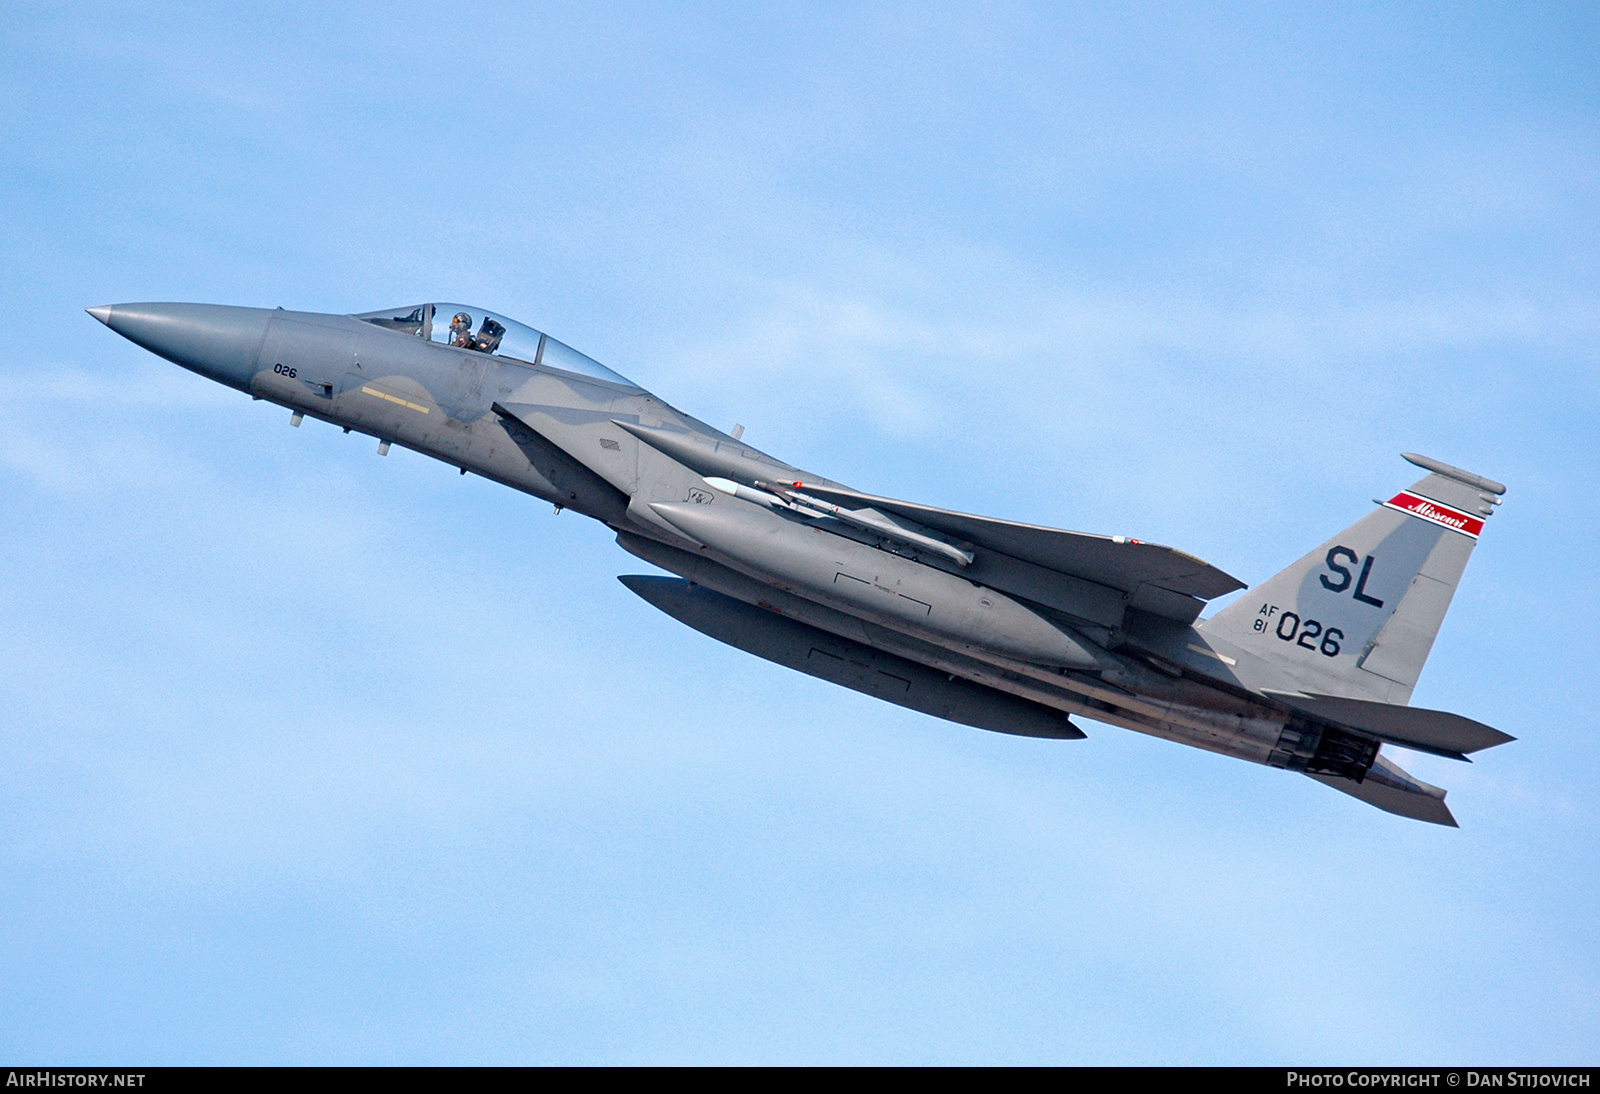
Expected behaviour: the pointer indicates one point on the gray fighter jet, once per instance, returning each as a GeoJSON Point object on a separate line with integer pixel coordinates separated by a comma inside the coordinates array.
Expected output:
{"type": "Point", "coordinates": [990, 623]}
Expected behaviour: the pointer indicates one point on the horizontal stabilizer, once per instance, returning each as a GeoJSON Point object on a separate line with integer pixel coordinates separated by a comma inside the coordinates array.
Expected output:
{"type": "Point", "coordinates": [1393, 799]}
{"type": "Point", "coordinates": [1115, 561]}
{"type": "Point", "coordinates": [1435, 731]}
{"type": "Point", "coordinates": [849, 664]}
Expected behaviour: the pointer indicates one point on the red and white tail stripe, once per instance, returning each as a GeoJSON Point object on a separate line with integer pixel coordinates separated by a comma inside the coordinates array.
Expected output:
{"type": "Point", "coordinates": [1437, 512]}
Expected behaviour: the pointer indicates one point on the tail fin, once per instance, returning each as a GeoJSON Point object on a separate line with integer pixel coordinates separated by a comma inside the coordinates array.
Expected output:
{"type": "Point", "coordinates": [1357, 616]}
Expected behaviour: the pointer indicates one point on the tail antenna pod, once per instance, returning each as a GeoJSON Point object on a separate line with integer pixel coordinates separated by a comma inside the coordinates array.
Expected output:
{"type": "Point", "coordinates": [1438, 467]}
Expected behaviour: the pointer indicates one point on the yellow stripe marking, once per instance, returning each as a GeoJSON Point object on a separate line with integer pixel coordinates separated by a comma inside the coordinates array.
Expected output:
{"type": "Point", "coordinates": [395, 399]}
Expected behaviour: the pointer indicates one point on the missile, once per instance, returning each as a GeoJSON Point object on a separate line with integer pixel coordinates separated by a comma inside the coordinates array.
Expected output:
{"type": "Point", "coordinates": [746, 493]}
{"type": "Point", "coordinates": [723, 464]}
{"type": "Point", "coordinates": [872, 521]}
{"type": "Point", "coordinates": [883, 588]}
{"type": "Point", "coordinates": [780, 497]}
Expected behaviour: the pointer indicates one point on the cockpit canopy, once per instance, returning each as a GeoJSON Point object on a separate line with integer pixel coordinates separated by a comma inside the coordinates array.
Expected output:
{"type": "Point", "coordinates": [470, 328]}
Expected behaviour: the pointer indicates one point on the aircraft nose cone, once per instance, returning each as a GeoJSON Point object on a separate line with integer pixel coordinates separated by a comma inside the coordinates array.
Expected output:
{"type": "Point", "coordinates": [215, 340]}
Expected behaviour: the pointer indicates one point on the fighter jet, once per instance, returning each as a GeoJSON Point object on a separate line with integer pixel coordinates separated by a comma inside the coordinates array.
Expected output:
{"type": "Point", "coordinates": [990, 623]}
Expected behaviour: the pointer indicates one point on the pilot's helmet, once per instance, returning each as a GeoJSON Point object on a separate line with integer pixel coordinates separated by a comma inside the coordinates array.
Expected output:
{"type": "Point", "coordinates": [462, 320]}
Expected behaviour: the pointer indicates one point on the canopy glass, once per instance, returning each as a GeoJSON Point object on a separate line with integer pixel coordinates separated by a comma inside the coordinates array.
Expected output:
{"type": "Point", "coordinates": [470, 328]}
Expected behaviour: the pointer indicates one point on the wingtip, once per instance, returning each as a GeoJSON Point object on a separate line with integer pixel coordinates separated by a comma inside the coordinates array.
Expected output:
{"type": "Point", "coordinates": [633, 582]}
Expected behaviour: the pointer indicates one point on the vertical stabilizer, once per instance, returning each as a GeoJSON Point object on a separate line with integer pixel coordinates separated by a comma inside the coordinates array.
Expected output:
{"type": "Point", "coordinates": [1357, 617]}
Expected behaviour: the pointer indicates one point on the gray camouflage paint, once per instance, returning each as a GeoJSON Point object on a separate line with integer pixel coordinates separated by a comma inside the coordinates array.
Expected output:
{"type": "Point", "coordinates": [1040, 624]}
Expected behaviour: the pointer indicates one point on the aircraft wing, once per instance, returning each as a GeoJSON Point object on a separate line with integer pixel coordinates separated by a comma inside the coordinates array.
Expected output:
{"type": "Point", "coordinates": [842, 661]}
{"type": "Point", "coordinates": [1115, 561]}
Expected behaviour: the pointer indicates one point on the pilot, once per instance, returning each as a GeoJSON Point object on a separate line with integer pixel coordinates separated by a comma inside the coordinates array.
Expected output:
{"type": "Point", "coordinates": [461, 330]}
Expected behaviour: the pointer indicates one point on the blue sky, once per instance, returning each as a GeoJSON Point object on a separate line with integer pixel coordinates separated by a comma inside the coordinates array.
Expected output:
{"type": "Point", "coordinates": [313, 756]}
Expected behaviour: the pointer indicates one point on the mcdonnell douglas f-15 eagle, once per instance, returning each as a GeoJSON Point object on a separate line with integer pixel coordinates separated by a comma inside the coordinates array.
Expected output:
{"type": "Point", "coordinates": [991, 623]}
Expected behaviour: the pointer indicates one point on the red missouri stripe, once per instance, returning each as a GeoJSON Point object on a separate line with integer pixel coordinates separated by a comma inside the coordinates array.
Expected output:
{"type": "Point", "coordinates": [1436, 512]}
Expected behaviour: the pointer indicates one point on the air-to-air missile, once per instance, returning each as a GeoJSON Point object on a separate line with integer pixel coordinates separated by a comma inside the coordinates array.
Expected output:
{"type": "Point", "coordinates": [990, 623]}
